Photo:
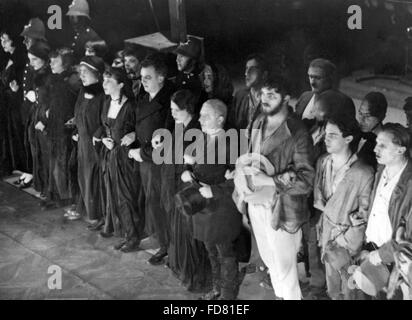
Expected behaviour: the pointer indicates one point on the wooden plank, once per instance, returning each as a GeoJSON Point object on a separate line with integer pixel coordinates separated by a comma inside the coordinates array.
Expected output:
{"type": "Point", "coordinates": [177, 13]}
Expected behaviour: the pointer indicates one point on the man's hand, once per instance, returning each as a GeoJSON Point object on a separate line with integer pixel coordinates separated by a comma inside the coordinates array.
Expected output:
{"type": "Point", "coordinates": [75, 137]}
{"type": "Point", "coordinates": [260, 179]}
{"type": "Point", "coordinates": [156, 141]}
{"type": "Point", "coordinates": [189, 159]}
{"type": "Point", "coordinates": [128, 139]}
{"type": "Point", "coordinates": [375, 258]}
{"type": "Point", "coordinates": [31, 96]}
{"type": "Point", "coordinates": [14, 86]}
{"type": "Point", "coordinates": [206, 191]}
{"type": "Point", "coordinates": [39, 126]}
{"type": "Point", "coordinates": [135, 154]}
{"type": "Point", "coordinates": [187, 176]}
{"type": "Point", "coordinates": [95, 140]}
{"type": "Point", "coordinates": [108, 142]}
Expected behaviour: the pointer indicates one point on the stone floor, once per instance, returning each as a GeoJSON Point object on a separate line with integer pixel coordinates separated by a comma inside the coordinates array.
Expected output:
{"type": "Point", "coordinates": [32, 240]}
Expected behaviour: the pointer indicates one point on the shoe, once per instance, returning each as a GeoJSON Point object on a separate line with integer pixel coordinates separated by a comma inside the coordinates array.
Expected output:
{"type": "Point", "coordinates": [211, 295]}
{"type": "Point", "coordinates": [18, 181]}
{"type": "Point", "coordinates": [130, 246]}
{"type": "Point", "coordinates": [73, 215]}
{"type": "Point", "coordinates": [106, 234]}
{"type": "Point", "coordinates": [25, 185]}
{"type": "Point", "coordinates": [96, 226]}
{"type": "Point", "coordinates": [157, 258]}
{"type": "Point", "coordinates": [119, 245]}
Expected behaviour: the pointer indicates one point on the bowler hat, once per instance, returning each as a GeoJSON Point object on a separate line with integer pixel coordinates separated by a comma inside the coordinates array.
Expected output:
{"type": "Point", "coordinates": [189, 200]}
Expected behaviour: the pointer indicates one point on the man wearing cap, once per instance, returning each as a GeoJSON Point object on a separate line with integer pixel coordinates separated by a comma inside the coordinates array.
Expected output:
{"type": "Point", "coordinates": [132, 57]}
{"type": "Point", "coordinates": [80, 20]}
{"type": "Point", "coordinates": [188, 66]}
{"type": "Point", "coordinates": [391, 199]}
{"type": "Point", "coordinates": [33, 32]}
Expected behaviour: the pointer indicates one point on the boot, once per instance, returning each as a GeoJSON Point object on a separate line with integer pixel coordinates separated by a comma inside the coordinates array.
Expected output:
{"type": "Point", "coordinates": [229, 279]}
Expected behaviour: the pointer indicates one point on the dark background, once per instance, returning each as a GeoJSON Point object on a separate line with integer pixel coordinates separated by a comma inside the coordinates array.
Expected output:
{"type": "Point", "coordinates": [291, 32]}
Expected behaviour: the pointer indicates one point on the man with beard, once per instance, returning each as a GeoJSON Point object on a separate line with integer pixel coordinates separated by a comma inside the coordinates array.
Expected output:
{"type": "Point", "coordinates": [132, 59]}
{"type": "Point", "coordinates": [246, 101]}
{"type": "Point", "coordinates": [321, 75]}
{"type": "Point", "coordinates": [285, 142]}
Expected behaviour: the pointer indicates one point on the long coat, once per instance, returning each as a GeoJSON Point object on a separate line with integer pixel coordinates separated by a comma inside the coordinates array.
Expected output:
{"type": "Point", "coordinates": [87, 115]}
{"type": "Point", "coordinates": [400, 213]}
{"type": "Point", "coordinates": [220, 221]}
{"type": "Point", "coordinates": [63, 92]}
{"type": "Point", "coordinates": [122, 213]}
{"type": "Point", "coordinates": [12, 150]}
{"type": "Point", "coordinates": [150, 116]}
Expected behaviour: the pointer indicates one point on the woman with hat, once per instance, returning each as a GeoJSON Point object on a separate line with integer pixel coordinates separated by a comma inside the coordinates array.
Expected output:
{"type": "Point", "coordinates": [38, 55]}
{"type": "Point", "coordinates": [87, 112]}
{"type": "Point", "coordinates": [187, 256]}
{"type": "Point", "coordinates": [12, 151]}
{"type": "Point", "coordinates": [64, 86]}
{"type": "Point", "coordinates": [122, 214]}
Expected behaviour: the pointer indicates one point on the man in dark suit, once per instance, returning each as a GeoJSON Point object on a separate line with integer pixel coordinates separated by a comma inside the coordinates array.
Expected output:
{"type": "Point", "coordinates": [321, 75]}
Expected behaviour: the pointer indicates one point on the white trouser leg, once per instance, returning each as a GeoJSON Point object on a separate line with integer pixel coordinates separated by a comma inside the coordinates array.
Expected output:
{"type": "Point", "coordinates": [278, 250]}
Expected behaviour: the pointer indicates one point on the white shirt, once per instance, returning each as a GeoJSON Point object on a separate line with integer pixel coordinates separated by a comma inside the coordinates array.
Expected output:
{"type": "Point", "coordinates": [379, 229]}
{"type": "Point", "coordinates": [309, 112]}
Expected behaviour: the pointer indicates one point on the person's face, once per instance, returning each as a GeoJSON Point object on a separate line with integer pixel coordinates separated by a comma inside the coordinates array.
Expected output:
{"type": "Point", "coordinates": [28, 42]}
{"type": "Point", "coordinates": [89, 51]}
{"type": "Point", "coordinates": [87, 76]}
{"type": "Point", "coordinates": [253, 73]}
{"type": "Point", "coordinates": [208, 79]}
{"type": "Point", "coordinates": [36, 62]}
{"type": "Point", "coordinates": [56, 65]}
{"type": "Point", "coordinates": [6, 43]}
{"type": "Point", "coordinates": [179, 115]}
{"type": "Point", "coordinates": [209, 119]}
{"type": "Point", "coordinates": [152, 81]}
{"type": "Point", "coordinates": [182, 62]}
{"type": "Point", "coordinates": [132, 66]}
{"type": "Point", "coordinates": [366, 121]}
{"type": "Point", "coordinates": [408, 114]}
{"type": "Point", "coordinates": [111, 86]}
{"type": "Point", "coordinates": [271, 101]}
{"type": "Point", "coordinates": [318, 80]}
{"type": "Point", "coordinates": [385, 150]}
{"type": "Point", "coordinates": [334, 140]}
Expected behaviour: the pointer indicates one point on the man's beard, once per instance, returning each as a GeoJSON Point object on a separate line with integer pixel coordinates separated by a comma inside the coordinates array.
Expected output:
{"type": "Point", "coordinates": [132, 75]}
{"type": "Point", "coordinates": [273, 111]}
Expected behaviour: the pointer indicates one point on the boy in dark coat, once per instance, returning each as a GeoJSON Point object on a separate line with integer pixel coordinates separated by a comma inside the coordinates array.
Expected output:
{"type": "Point", "coordinates": [219, 223]}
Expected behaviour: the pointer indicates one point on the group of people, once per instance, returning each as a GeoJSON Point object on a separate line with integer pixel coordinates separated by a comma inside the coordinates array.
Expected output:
{"type": "Point", "coordinates": [318, 178]}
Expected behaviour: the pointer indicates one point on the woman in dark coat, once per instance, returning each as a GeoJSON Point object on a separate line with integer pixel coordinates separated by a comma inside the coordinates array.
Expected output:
{"type": "Point", "coordinates": [12, 152]}
{"type": "Point", "coordinates": [122, 214]}
{"type": "Point", "coordinates": [188, 257]}
{"type": "Point", "coordinates": [64, 86]}
{"type": "Point", "coordinates": [39, 141]}
{"type": "Point", "coordinates": [87, 114]}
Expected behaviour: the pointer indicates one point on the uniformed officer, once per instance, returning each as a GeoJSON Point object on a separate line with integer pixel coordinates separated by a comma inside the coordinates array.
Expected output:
{"type": "Point", "coordinates": [79, 15]}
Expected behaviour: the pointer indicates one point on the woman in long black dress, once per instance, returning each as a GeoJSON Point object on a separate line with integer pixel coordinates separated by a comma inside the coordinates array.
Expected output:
{"type": "Point", "coordinates": [64, 87]}
{"type": "Point", "coordinates": [122, 215]}
{"type": "Point", "coordinates": [188, 257]}
{"type": "Point", "coordinates": [12, 151]}
{"type": "Point", "coordinates": [87, 114]}
{"type": "Point", "coordinates": [38, 55]}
